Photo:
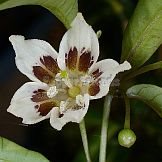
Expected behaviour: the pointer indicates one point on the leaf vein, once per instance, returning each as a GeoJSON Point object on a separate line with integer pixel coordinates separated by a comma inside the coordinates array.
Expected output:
{"type": "Point", "coordinates": [144, 35]}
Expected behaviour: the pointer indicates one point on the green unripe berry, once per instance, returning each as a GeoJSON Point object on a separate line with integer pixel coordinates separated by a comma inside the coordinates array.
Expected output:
{"type": "Point", "coordinates": [126, 138]}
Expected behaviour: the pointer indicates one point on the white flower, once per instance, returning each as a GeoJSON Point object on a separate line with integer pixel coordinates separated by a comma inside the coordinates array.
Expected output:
{"type": "Point", "coordinates": [62, 84]}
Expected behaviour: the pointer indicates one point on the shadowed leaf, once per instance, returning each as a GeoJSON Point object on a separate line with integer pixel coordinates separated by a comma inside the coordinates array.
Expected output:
{"type": "Point", "coordinates": [143, 34]}
{"type": "Point", "coordinates": [11, 152]}
{"type": "Point", "coordinates": [150, 94]}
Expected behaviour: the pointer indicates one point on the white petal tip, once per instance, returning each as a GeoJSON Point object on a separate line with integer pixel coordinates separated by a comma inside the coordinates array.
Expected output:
{"type": "Point", "coordinates": [58, 127]}
{"type": "Point", "coordinates": [24, 121]}
{"type": "Point", "coordinates": [127, 65]}
{"type": "Point", "coordinates": [9, 109]}
{"type": "Point", "coordinates": [79, 15]}
{"type": "Point", "coordinates": [12, 111]}
{"type": "Point", "coordinates": [124, 66]}
{"type": "Point", "coordinates": [14, 38]}
{"type": "Point", "coordinates": [79, 18]}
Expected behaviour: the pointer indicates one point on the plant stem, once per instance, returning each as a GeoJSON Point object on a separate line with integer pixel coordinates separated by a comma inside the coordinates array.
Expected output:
{"type": "Point", "coordinates": [103, 142]}
{"type": "Point", "coordinates": [127, 112]}
{"type": "Point", "coordinates": [84, 140]}
{"type": "Point", "coordinates": [144, 69]}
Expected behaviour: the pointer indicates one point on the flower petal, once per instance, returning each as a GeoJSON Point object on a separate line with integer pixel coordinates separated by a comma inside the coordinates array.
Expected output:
{"type": "Point", "coordinates": [35, 58]}
{"type": "Point", "coordinates": [103, 73]}
{"type": "Point", "coordinates": [79, 48]}
{"type": "Point", "coordinates": [58, 120]}
{"type": "Point", "coordinates": [31, 103]}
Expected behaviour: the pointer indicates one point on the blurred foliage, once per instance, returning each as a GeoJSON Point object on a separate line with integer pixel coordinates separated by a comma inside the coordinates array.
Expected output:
{"type": "Point", "coordinates": [10, 151]}
{"type": "Point", "coordinates": [111, 17]}
{"type": "Point", "coordinates": [148, 93]}
{"type": "Point", "coordinates": [64, 10]}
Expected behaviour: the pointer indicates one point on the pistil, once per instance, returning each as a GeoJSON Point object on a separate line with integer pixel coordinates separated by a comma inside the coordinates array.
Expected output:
{"type": "Point", "coordinates": [73, 91]}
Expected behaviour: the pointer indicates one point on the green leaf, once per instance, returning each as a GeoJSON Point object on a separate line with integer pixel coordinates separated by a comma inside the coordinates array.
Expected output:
{"type": "Point", "coordinates": [150, 94]}
{"type": "Point", "coordinates": [143, 34]}
{"type": "Point", "coordinates": [11, 152]}
{"type": "Point", "coordinates": [64, 10]}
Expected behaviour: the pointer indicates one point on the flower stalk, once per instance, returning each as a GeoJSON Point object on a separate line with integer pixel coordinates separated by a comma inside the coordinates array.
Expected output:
{"type": "Point", "coordinates": [84, 140]}
{"type": "Point", "coordinates": [127, 112]}
{"type": "Point", "coordinates": [103, 142]}
{"type": "Point", "coordinates": [126, 136]}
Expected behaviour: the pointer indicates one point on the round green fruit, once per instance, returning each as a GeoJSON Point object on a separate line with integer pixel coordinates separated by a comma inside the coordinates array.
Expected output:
{"type": "Point", "coordinates": [126, 138]}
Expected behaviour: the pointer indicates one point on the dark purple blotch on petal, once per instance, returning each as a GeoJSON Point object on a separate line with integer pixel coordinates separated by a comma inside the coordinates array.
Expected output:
{"type": "Point", "coordinates": [36, 106]}
{"type": "Point", "coordinates": [39, 95]}
{"type": "Point", "coordinates": [97, 73]}
{"type": "Point", "coordinates": [47, 72]}
{"type": "Point", "coordinates": [45, 108]}
{"type": "Point", "coordinates": [85, 61]}
{"type": "Point", "coordinates": [94, 88]}
{"type": "Point", "coordinates": [61, 115]}
{"type": "Point", "coordinates": [50, 64]}
{"type": "Point", "coordinates": [42, 74]}
{"type": "Point", "coordinates": [71, 58]}
{"type": "Point", "coordinates": [44, 104]}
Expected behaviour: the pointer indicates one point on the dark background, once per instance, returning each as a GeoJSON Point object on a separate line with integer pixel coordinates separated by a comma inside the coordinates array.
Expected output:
{"type": "Point", "coordinates": [66, 145]}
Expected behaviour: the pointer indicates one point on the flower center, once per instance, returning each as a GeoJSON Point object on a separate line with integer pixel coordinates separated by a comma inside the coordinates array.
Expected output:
{"type": "Point", "coordinates": [73, 91]}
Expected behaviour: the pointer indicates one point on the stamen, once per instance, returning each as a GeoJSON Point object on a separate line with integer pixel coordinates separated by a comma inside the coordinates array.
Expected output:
{"type": "Point", "coordinates": [63, 105]}
{"type": "Point", "coordinates": [67, 82]}
{"type": "Point", "coordinates": [86, 79]}
{"type": "Point", "coordinates": [64, 74]}
{"type": "Point", "coordinates": [80, 100]}
{"type": "Point", "coordinates": [52, 91]}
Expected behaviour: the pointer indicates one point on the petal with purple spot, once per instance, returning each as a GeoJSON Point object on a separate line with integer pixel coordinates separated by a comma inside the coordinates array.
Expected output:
{"type": "Point", "coordinates": [103, 74]}
{"type": "Point", "coordinates": [34, 55]}
{"type": "Point", "coordinates": [58, 120]}
{"type": "Point", "coordinates": [31, 103]}
{"type": "Point", "coordinates": [82, 37]}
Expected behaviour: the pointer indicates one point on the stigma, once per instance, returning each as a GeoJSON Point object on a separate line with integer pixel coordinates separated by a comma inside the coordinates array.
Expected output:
{"type": "Point", "coordinates": [73, 91]}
